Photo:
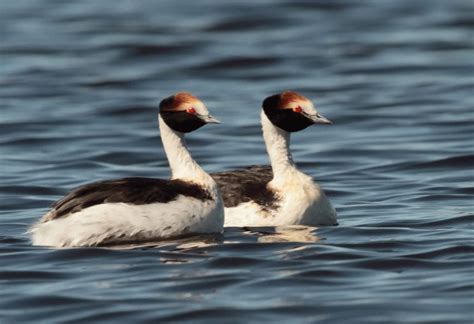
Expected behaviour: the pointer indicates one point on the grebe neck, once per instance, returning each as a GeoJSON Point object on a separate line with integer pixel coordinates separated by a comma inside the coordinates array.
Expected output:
{"type": "Point", "coordinates": [277, 142]}
{"type": "Point", "coordinates": [181, 163]}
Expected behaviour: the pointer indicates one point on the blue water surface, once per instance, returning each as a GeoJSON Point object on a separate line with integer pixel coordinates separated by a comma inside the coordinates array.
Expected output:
{"type": "Point", "coordinates": [80, 83]}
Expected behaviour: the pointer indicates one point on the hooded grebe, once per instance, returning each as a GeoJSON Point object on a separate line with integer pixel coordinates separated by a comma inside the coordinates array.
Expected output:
{"type": "Point", "coordinates": [280, 194]}
{"type": "Point", "coordinates": [141, 209]}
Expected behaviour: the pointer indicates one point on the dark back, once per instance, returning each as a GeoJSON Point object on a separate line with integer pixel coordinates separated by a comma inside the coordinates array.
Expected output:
{"type": "Point", "coordinates": [249, 184]}
{"type": "Point", "coordinates": [135, 191]}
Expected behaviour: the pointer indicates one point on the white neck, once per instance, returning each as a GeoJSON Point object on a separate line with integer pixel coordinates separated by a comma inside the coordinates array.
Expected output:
{"type": "Point", "coordinates": [277, 142]}
{"type": "Point", "coordinates": [182, 165]}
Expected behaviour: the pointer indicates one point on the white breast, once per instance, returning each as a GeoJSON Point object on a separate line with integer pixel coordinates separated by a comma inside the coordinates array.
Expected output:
{"type": "Point", "coordinates": [302, 203]}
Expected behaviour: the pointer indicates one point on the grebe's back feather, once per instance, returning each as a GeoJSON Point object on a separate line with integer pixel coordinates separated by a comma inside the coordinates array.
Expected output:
{"type": "Point", "coordinates": [134, 191]}
{"type": "Point", "coordinates": [248, 184]}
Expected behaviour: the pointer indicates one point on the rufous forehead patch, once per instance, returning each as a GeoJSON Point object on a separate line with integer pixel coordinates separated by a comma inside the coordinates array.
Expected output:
{"type": "Point", "coordinates": [178, 100]}
{"type": "Point", "coordinates": [184, 97]}
{"type": "Point", "coordinates": [287, 97]}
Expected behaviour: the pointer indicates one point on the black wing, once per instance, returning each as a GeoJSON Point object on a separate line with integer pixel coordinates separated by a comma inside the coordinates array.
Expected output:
{"type": "Point", "coordinates": [136, 191]}
{"type": "Point", "coordinates": [249, 184]}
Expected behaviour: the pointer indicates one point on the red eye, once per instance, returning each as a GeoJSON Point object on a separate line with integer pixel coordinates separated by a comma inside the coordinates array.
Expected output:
{"type": "Point", "coordinates": [298, 109]}
{"type": "Point", "coordinates": [191, 110]}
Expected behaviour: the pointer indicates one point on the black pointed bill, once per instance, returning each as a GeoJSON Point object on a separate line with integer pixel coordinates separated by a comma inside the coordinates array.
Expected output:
{"type": "Point", "coordinates": [208, 119]}
{"type": "Point", "coordinates": [317, 118]}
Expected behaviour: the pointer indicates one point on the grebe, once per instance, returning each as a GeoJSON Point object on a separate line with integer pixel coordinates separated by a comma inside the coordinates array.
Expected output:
{"type": "Point", "coordinates": [280, 194]}
{"type": "Point", "coordinates": [141, 209]}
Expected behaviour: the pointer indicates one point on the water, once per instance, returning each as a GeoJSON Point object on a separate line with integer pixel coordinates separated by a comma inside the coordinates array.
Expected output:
{"type": "Point", "coordinates": [79, 88]}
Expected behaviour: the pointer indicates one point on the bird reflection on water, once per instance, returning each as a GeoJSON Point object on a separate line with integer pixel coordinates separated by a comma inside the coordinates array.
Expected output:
{"type": "Point", "coordinates": [266, 234]}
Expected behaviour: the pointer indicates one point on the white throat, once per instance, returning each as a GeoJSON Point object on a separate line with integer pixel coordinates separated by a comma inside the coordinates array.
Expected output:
{"type": "Point", "coordinates": [181, 163]}
{"type": "Point", "coordinates": [277, 142]}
